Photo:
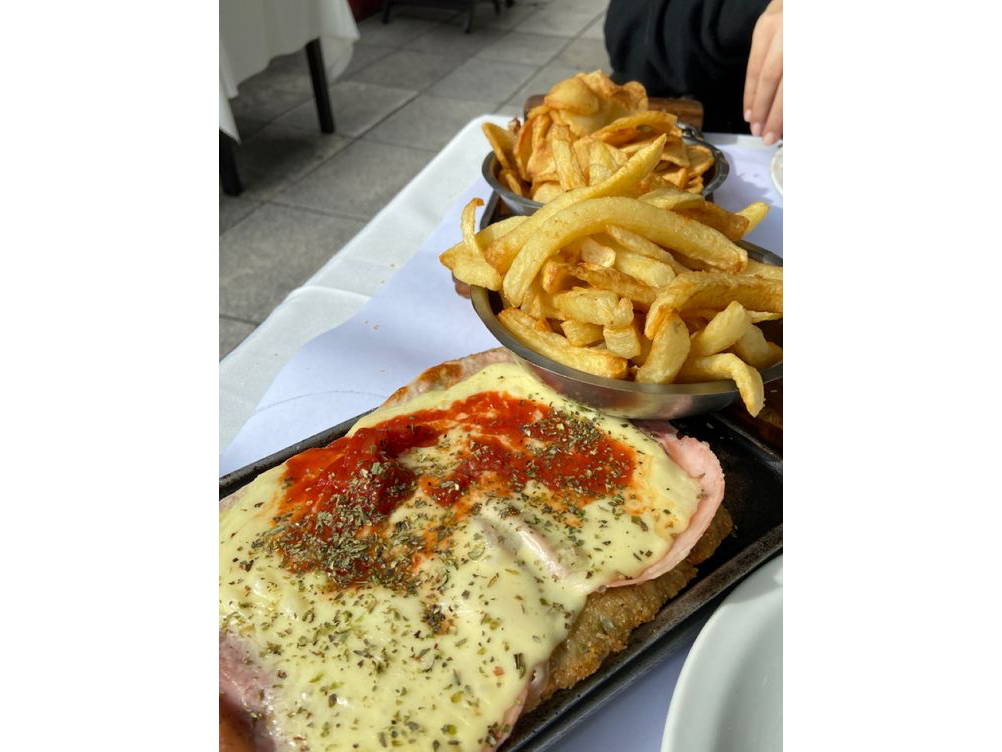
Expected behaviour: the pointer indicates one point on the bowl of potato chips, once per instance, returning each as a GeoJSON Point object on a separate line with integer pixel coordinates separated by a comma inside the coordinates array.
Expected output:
{"type": "Point", "coordinates": [587, 128]}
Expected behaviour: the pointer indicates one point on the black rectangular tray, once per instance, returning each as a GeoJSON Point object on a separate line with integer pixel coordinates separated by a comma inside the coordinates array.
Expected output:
{"type": "Point", "coordinates": [754, 497]}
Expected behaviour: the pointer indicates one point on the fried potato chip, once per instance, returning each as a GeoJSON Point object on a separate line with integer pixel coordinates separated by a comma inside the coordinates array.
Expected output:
{"type": "Point", "coordinates": [754, 350]}
{"type": "Point", "coordinates": [694, 185]}
{"type": "Point", "coordinates": [581, 333]}
{"type": "Point", "coordinates": [713, 290]}
{"type": "Point", "coordinates": [510, 179]}
{"type": "Point", "coordinates": [700, 159]}
{"type": "Point", "coordinates": [503, 144]}
{"type": "Point", "coordinates": [623, 130]}
{"type": "Point", "coordinates": [568, 171]}
{"type": "Point", "coordinates": [727, 366]}
{"type": "Point", "coordinates": [546, 192]}
{"type": "Point", "coordinates": [675, 175]}
{"type": "Point", "coordinates": [558, 348]}
{"type": "Point", "coordinates": [726, 328]}
{"type": "Point", "coordinates": [669, 350]}
{"type": "Point", "coordinates": [674, 152]}
{"type": "Point", "coordinates": [574, 95]}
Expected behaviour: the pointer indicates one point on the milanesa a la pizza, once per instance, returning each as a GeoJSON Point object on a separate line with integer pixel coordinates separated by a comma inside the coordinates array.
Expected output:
{"type": "Point", "coordinates": [472, 546]}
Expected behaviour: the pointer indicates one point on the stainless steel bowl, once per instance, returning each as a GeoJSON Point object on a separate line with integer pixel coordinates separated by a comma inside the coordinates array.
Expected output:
{"type": "Point", "coordinates": [713, 178]}
{"type": "Point", "coordinates": [626, 399]}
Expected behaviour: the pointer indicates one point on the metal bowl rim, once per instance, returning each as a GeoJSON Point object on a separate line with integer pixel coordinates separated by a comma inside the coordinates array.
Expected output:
{"type": "Point", "coordinates": [723, 169]}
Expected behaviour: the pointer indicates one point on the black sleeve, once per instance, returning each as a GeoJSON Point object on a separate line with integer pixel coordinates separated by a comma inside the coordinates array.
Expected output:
{"type": "Point", "coordinates": [693, 48]}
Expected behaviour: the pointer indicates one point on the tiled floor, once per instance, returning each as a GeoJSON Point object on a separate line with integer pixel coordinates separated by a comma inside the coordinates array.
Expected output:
{"type": "Point", "coordinates": [410, 86]}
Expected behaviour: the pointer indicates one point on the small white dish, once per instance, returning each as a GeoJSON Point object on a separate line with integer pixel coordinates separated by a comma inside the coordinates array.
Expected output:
{"type": "Point", "coordinates": [729, 696]}
{"type": "Point", "coordinates": [776, 171]}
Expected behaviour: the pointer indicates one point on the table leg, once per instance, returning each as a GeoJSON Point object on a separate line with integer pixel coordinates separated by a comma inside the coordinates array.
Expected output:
{"type": "Point", "coordinates": [386, 10]}
{"type": "Point", "coordinates": [469, 18]}
{"type": "Point", "coordinates": [228, 174]}
{"type": "Point", "coordinates": [318, 74]}
{"type": "Point", "coordinates": [497, 7]}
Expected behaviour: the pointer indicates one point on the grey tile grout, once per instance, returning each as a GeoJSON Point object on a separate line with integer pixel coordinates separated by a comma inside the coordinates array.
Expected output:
{"type": "Point", "coordinates": [238, 319]}
{"type": "Point", "coordinates": [321, 212]}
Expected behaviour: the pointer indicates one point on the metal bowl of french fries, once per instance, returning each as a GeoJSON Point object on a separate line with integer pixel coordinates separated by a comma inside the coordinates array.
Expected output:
{"type": "Point", "coordinates": [641, 306]}
{"type": "Point", "coordinates": [626, 399]}
{"type": "Point", "coordinates": [587, 128]}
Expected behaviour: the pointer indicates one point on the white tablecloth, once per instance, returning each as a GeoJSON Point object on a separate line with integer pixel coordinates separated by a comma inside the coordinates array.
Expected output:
{"type": "Point", "coordinates": [382, 310]}
{"type": "Point", "coordinates": [252, 32]}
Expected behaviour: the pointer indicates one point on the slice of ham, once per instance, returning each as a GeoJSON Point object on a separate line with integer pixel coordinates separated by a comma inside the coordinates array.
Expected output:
{"type": "Point", "coordinates": [700, 464]}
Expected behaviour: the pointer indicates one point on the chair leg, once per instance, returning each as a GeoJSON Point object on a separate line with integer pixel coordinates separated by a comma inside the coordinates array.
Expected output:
{"type": "Point", "coordinates": [228, 174]}
{"type": "Point", "coordinates": [318, 74]}
{"type": "Point", "coordinates": [497, 7]}
{"type": "Point", "coordinates": [509, 3]}
{"type": "Point", "coordinates": [386, 10]}
{"type": "Point", "coordinates": [469, 18]}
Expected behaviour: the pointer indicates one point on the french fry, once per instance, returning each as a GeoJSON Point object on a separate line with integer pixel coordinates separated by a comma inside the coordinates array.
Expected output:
{"type": "Point", "coordinates": [592, 215]}
{"type": "Point", "coordinates": [648, 270]}
{"type": "Point", "coordinates": [713, 290]}
{"type": "Point", "coordinates": [468, 224]}
{"type": "Point", "coordinates": [510, 179]}
{"type": "Point", "coordinates": [473, 270]}
{"type": "Point", "coordinates": [623, 340]}
{"type": "Point", "coordinates": [596, 253]}
{"type": "Point", "coordinates": [671, 198]}
{"type": "Point", "coordinates": [639, 244]}
{"type": "Point", "coordinates": [544, 193]}
{"type": "Point", "coordinates": [502, 253]}
{"type": "Point", "coordinates": [766, 271]}
{"type": "Point", "coordinates": [555, 275]}
{"type": "Point", "coordinates": [754, 350]}
{"type": "Point", "coordinates": [625, 286]}
{"type": "Point", "coordinates": [724, 329]}
{"type": "Point", "coordinates": [669, 349]}
{"type": "Point", "coordinates": [727, 366]}
{"type": "Point", "coordinates": [732, 226]}
{"type": "Point", "coordinates": [754, 213]}
{"type": "Point", "coordinates": [708, 313]}
{"type": "Point", "coordinates": [556, 347]}
{"type": "Point", "coordinates": [581, 333]}
{"type": "Point", "coordinates": [585, 304]}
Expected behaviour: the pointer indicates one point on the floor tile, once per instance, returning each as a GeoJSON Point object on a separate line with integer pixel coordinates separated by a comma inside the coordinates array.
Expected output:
{"type": "Point", "coordinates": [362, 56]}
{"type": "Point", "coordinates": [428, 122]}
{"type": "Point", "coordinates": [483, 80]}
{"type": "Point", "coordinates": [278, 156]}
{"type": "Point", "coordinates": [232, 209]}
{"type": "Point", "coordinates": [596, 30]}
{"type": "Point", "coordinates": [357, 107]}
{"type": "Point", "coordinates": [272, 252]}
{"type": "Point", "coordinates": [358, 181]}
{"type": "Point", "coordinates": [450, 38]}
{"type": "Point", "coordinates": [529, 49]}
{"type": "Point", "coordinates": [509, 17]}
{"type": "Point", "coordinates": [585, 55]}
{"type": "Point", "coordinates": [556, 21]}
{"type": "Point", "coordinates": [274, 91]}
{"type": "Point", "coordinates": [401, 29]}
{"type": "Point", "coordinates": [246, 127]}
{"type": "Point", "coordinates": [231, 334]}
{"type": "Point", "coordinates": [581, 6]}
{"type": "Point", "coordinates": [409, 69]}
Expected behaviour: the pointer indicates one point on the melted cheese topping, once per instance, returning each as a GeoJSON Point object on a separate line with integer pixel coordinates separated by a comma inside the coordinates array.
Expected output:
{"type": "Point", "coordinates": [364, 667]}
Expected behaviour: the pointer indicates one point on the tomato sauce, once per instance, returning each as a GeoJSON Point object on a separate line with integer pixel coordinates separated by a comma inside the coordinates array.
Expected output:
{"type": "Point", "coordinates": [338, 498]}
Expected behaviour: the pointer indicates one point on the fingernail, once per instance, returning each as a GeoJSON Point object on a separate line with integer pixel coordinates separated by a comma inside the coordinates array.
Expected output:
{"type": "Point", "coordinates": [748, 114]}
{"type": "Point", "coordinates": [770, 138]}
{"type": "Point", "coordinates": [756, 129]}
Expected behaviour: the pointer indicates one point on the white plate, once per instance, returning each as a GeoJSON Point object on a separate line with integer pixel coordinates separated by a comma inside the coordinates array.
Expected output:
{"type": "Point", "coordinates": [729, 696]}
{"type": "Point", "coordinates": [776, 171]}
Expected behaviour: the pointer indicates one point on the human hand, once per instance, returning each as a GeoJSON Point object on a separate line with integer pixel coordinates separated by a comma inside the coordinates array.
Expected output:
{"type": "Point", "coordinates": [763, 102]}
